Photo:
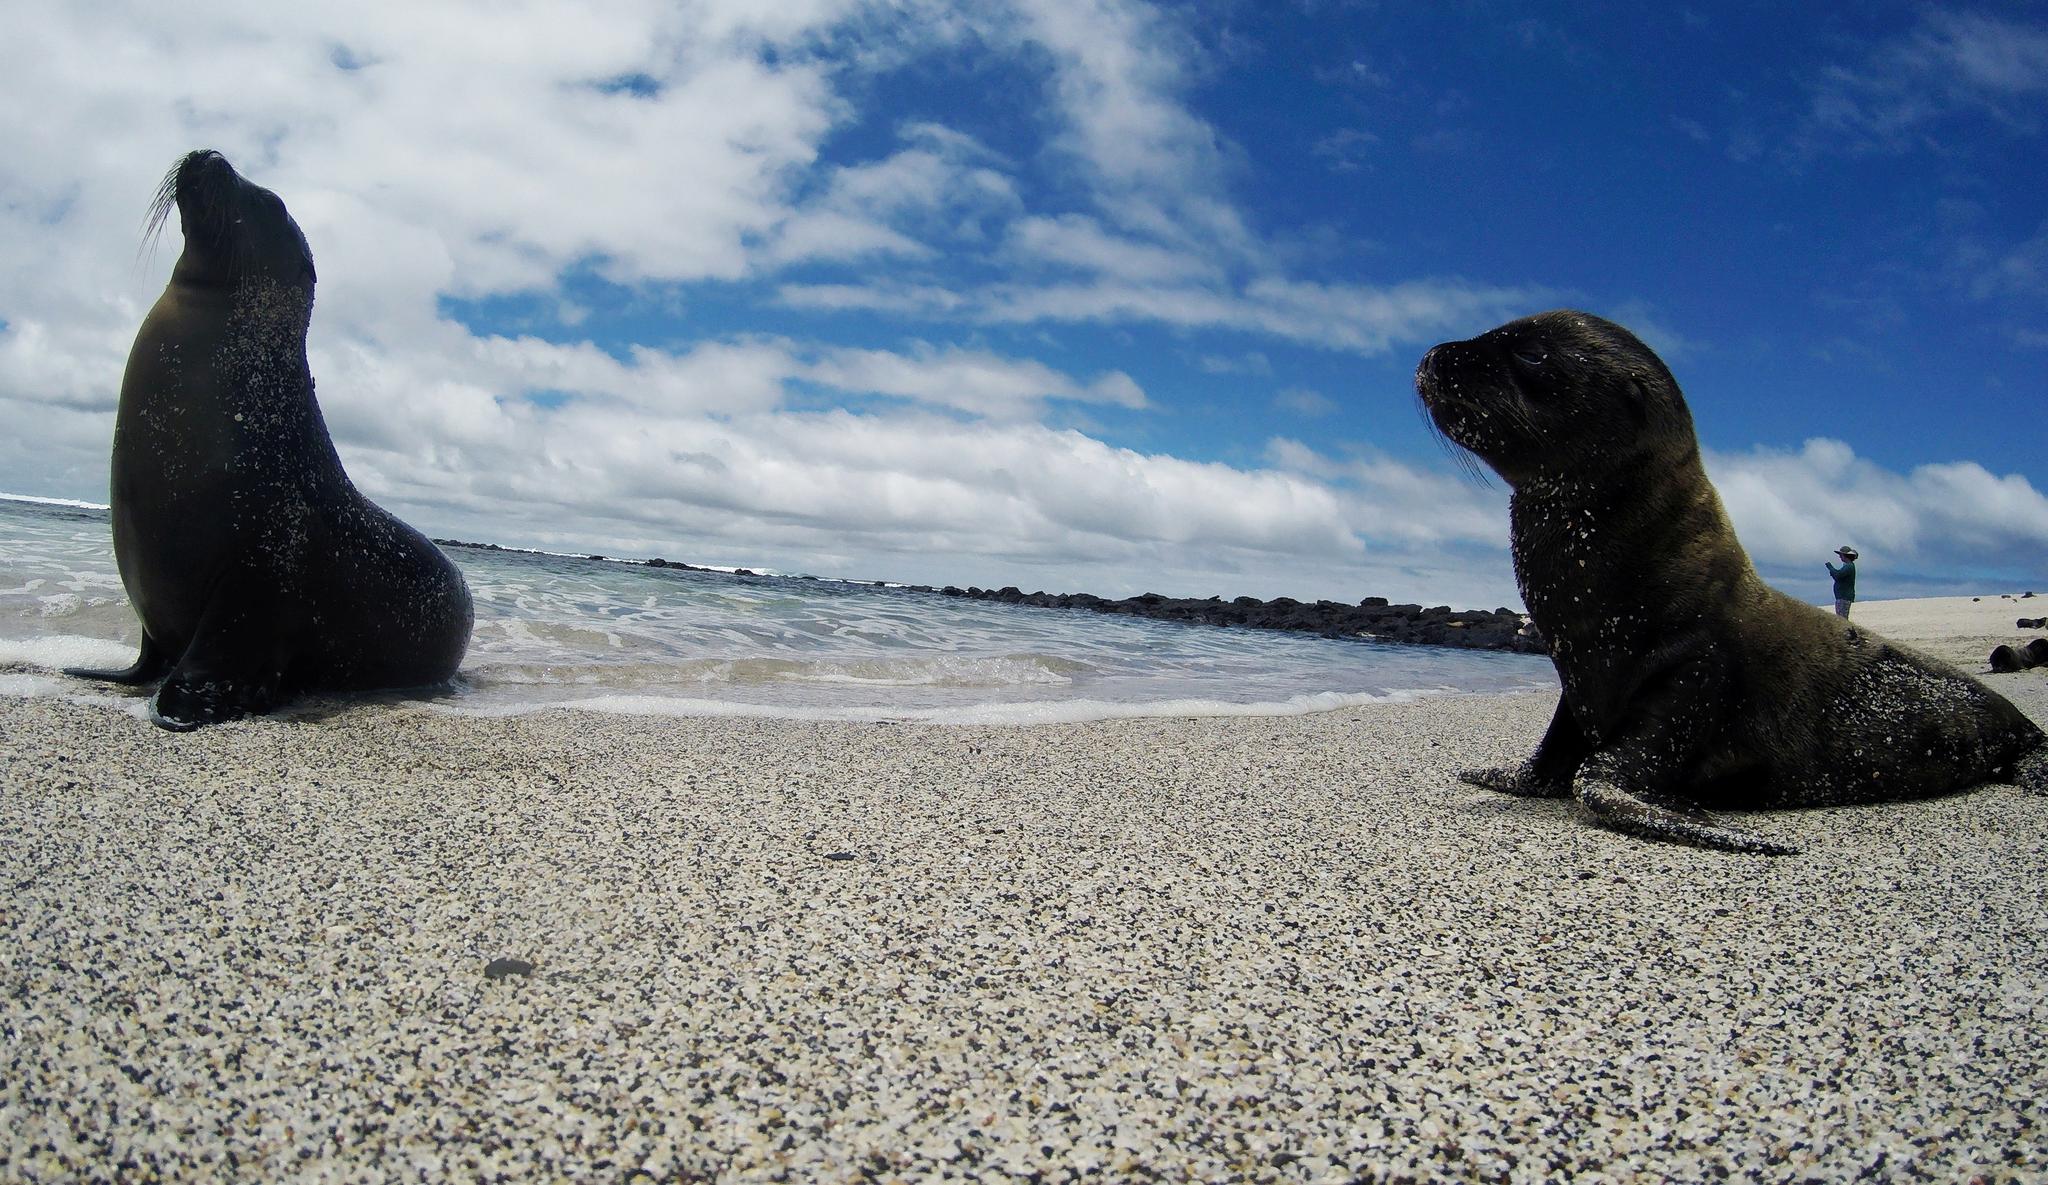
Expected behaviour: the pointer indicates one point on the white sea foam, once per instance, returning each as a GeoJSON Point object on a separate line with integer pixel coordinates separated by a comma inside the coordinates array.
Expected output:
{"type": "Point", "coordinates": [35, 500]}
{"type": "Point", "coordinates": [54, 652]}
{"type": "Point", "coordinates": [1029, 712]}
{"type": "Point", "coordinates": [35, 685]}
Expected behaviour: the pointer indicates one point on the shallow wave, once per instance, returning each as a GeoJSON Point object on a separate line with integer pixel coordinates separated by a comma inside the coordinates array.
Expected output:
{"type": "Point", "coordinates": [70, 503]}
{"type": "Point", "coordinates": [598, 635]}
{"type": "Point", "coordinates": [909, 670]}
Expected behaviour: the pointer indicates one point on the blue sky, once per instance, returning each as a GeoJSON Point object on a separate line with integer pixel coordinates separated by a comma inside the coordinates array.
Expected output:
{"type": "Point", "coordinates": [1075, 294]}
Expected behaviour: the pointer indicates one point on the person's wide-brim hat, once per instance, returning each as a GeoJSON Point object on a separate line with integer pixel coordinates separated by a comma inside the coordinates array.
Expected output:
{"type": "Point", "coordinates": [1847, 553]}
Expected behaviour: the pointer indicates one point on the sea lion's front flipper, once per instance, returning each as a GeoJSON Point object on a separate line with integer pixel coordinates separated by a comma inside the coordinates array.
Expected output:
{"type": "Point", "coordinates": [1617, 808]}
{"type": "Point", "coordinates": [235, 663]}
{"type": "Point", "coordinates": [1548, 773]}
{"type": "Point", "coordinates": [1639, 779]}
{"type": "Point", "coordinates": [148, 667]}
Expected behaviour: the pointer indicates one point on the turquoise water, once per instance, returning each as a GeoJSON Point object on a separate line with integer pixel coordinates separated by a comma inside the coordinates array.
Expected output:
{"type": "Point", "coordinates": [609, 636]}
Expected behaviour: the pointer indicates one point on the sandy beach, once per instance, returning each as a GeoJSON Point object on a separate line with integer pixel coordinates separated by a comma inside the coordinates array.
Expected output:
{"type": "Point", "coordinates": [383, 942]}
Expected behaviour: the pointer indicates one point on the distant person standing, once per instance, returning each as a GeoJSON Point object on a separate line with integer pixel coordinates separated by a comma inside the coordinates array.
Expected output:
{"type": "Point", "coordinates": [1845, 580]}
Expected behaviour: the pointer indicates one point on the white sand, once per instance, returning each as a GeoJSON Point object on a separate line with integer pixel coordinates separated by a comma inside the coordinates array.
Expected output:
{"type": "Point", "coordinates": [1962, 630]}
{"type": "Point", "coordinates": [1242, 949]}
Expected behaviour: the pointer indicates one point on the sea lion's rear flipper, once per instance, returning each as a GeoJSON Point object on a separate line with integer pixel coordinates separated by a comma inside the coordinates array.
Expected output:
{"type": "Point", "coordinates": [1617, 808]}
{"type": "Point", "coordinates": [148, 667]}
{"type": "Point", "coordinates": [1548, 773]}
{"type": "Point", "coordinates": [235, 664]}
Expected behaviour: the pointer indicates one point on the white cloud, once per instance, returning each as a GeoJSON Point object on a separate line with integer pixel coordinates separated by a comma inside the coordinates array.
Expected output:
{"type": "Point", "coordinates": [1398, 505]}
{"type": "Point", "coordinates": [1253, 362]}
{"type": "Point", "coordinates": [1949, 64]}
{"type": "Point", "coordinates": [913, 300]}
{"type": "Point", "coordinates": [1351, 318]}
{"type": "Point", "coordinates": [941, 187]}
{"type": "Point", "coordinates": [479, 153]}
{"type": "Point", "coordinates": [1934, 520]}
{"type": "Point", "coordinates": [1118, 68]}
{"type": "Point", "coordinates": [974, 381]}
{"type": "Point", "coordinates": [1079, 242]}
{"type": "Point", "coordinates": [1304, 402]}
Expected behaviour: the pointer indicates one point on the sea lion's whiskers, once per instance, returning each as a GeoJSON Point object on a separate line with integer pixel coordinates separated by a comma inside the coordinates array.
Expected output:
{"type": "Point", "coordinates": [159, 210]}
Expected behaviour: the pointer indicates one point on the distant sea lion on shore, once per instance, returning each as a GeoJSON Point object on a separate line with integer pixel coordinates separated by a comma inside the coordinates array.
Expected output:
{"type": "Point", "coordinates": [255, 566]}
{"type": "Point", "coordinates": [1688, 683]}
{"type": "Point", "coordinates": [2007, 659]}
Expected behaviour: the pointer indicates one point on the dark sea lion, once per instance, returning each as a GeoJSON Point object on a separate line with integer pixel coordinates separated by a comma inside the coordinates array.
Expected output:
{"type": "Point", "coordinates": [1688, 683]}
{"type": "Point", "coordinates": [256, 567]}
{"type": "Point", "coordinates": [2007, 659]}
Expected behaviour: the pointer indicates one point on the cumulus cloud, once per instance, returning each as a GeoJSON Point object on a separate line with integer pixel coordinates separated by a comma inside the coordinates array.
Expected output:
{"type": "Point", "coordinates": [1935, 522]}
{"type": "Point", "coordinates": [717, 156]}
{"type": "Point", "coordinates": [969, 380]}
{"type": "Point", "coordinates": [1396, 504]}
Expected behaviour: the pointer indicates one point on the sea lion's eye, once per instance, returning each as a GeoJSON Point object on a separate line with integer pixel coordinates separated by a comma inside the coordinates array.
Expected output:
{"type": "Point", "coordinates": [1530, 355]}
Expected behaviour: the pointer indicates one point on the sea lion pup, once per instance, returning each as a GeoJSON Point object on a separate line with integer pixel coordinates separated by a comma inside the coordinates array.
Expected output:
{"type": "Point", "coordinates": [2007, 659]}
{"type": "Point", "coordinates": [255, 566]}
{"type": "Point", "coordinates": [1688, 683]}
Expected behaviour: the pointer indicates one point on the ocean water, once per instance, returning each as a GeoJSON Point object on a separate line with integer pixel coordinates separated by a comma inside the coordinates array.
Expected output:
{"type": "Point", "coordinates": [607, 636]}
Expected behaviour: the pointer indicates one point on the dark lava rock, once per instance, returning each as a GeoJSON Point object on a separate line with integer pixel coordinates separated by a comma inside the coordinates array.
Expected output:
{"type": "Point", "coordinates": [1372, 618]}
{"type": "Point", "coordinates": [505, 968]}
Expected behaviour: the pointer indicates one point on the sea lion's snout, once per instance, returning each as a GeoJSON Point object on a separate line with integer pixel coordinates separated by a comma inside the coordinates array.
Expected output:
{"type": "Point", "coordinates": [234, 228]}
{"type": "Point", "coordinates": [202, 187]}
{"type": "Point", "coordinates": [201, 161]}
{"type": "Point", "coordinates": [204, 176]}
{"type": "Point", "coordinates": [1433, 375]}
{"type": "Point", "coordinates": [1425, 370]}
{"type": "Point", "coordinates": [1449, 381]}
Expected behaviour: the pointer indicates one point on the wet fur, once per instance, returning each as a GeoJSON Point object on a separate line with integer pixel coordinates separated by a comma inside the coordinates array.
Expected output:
{"type": "Point", "coordinates": [1688, 683]}
{"type": "Point", "coordinates": [256, 567]}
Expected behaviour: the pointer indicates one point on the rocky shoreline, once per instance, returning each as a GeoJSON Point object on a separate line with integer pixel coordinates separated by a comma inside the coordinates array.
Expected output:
{"type": "Point", "coordinates": [1372, 619]}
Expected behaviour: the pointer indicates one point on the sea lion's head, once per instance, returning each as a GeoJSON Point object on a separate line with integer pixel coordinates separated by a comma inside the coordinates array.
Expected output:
{"type": "Point", "coordinates": [235, 230]}
{"type": "Point", "coordinates": [1557, 394]}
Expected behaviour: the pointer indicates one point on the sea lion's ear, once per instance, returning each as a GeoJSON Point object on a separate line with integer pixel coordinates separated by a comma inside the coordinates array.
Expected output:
{"type": "Point", "coordinates": [1638, 401]}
